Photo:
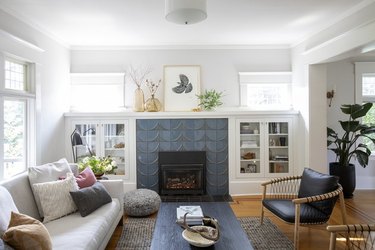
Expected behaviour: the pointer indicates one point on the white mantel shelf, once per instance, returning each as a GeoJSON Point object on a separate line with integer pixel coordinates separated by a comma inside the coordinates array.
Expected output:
{"type": "Point", "coordinates": [202, 114]}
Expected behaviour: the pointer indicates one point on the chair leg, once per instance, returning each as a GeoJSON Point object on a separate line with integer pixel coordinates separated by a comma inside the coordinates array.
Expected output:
{"type": "Point", "coordinates": [262, 211]}
{"type": "Point", "coordinates": [332, 241]}
{"type": "Point", "coordinates": [343, 208]}
{"type": "Point", "coordinates": [296, 226]}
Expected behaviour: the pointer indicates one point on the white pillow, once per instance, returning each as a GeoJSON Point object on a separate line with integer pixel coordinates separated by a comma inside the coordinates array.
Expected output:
{"type": "Point", "coordinates": [46, 173]}
{"type": "Point", "coordinates": [6, 207]}
{"type": "Point", "coordinates": [55, 198]}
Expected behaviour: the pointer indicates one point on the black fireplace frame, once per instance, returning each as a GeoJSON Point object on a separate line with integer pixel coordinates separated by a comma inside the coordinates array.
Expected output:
{"type": "Point", "coordinates": [183, 159]}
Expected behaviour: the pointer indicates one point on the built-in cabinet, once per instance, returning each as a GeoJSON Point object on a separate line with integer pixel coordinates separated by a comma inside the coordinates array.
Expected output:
{"type": "Point", "coordinates": [263, 147]}
{"type": "Point", "coordinates": [104, 138]}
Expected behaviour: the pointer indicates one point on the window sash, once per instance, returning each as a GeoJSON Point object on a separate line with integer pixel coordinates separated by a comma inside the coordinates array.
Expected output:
{"type": "Point", "coordinates": [265, 90]}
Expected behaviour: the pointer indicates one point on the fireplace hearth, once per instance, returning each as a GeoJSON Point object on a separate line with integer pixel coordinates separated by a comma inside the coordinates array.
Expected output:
{"type": "Point", "coordinates": [182, 172]}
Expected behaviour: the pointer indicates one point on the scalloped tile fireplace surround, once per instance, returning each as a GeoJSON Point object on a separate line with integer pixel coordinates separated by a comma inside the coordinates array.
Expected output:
{"type": "Point", "coordinates": [210, 135]}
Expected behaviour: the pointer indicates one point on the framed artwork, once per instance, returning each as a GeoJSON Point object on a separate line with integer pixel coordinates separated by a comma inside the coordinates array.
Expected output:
{"type": "Point", "coordinates": [181, 85]}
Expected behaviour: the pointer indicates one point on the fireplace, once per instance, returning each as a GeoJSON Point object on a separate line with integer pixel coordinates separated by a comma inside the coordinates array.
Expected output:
{"type": "Point", "coordinates": [182, 172]}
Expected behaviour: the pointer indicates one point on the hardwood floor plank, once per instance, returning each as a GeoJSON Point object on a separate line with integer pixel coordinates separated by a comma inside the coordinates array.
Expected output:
{"type": "Point", "coordinates": [359, 210]}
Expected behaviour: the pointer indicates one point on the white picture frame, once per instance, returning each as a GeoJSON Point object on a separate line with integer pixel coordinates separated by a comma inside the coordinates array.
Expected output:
{"type": "Point", "coordinates": [181, 87]}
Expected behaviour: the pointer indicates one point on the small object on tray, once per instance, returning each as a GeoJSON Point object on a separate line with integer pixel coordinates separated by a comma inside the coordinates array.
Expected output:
{"type": "Point", "coordinates": [196, 239]}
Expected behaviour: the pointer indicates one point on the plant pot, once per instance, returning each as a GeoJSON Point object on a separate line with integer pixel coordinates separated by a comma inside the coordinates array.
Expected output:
{"type": "Point", "coordinates": [346, 175]}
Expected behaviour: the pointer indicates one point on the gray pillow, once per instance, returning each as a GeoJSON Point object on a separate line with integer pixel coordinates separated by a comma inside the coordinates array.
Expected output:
{"type": "Point", "coordinates": [91, 198]}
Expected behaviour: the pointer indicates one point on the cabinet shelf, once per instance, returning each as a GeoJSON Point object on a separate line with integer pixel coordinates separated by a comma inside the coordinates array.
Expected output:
{"type": "Point", "coordinates": [249, 160]}
{"type": "Point", "coordinates": [114, 149]}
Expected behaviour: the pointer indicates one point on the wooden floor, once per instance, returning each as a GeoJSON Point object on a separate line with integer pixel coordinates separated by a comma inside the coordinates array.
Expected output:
{"type": "Point", "coordinates": [360, 209]}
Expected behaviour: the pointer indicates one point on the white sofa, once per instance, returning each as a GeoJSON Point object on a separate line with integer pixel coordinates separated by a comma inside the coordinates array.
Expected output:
{"type": "Point", "coordinates": [72, 231]}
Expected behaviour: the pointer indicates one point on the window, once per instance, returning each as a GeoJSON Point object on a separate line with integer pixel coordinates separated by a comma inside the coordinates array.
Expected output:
{"type": "Point", "coordinates": [17, 109]}
{"type": "Point", "coordinates": [97, 91]}
{"type": "Point", "coordinates": [365, 92]}
{"type": "Point", "coordinates": [265, 90]}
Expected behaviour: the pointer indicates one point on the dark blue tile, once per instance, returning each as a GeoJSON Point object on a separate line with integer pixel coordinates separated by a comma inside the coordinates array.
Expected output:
{"type": "Point", "coordinates": [210, 123]}
{"type": "Point", "coordinates": [152, 135]}
{"type": "Point", "coordinates": [188, 135]}
{"type": "Point", "coordinates": [176, 124]}
{"type": "Point", "coordinates": [176, 146]}
{"type": "Point", "coordinates": [165, 146]}
{"type": "Point", "coordinates": [222, 124]}
{"type": "Point", "coordinates": [188, 146]}
{"type": "Point", "coordinates": [164, 124]}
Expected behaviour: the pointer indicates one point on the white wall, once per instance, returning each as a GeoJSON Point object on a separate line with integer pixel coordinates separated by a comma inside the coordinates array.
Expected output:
{"type": "Point", "coordinates": [341, 76]}
{"type": "Point", "coordinates": [52, 82]}
{"type": "Point", "coordinates": [219, 68]}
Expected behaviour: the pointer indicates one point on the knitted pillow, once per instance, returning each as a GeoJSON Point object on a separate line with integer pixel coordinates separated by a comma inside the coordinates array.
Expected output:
{"type": "Point", "coordinates": [55, 199]}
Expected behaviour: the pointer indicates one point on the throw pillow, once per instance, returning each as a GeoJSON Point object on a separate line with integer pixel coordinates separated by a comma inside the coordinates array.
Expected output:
{"type": "Point", "coordinates": [25, 232]}
{"type": "Point", "coordinates": [86, 178]}
{"type": "Point", "coordinates": [46, 173]}
{"type": "Point", "coordinates": [6, 207]}
{"type": "Point", "coordinates": [55, 199]}
{"type": "Point", "coordinates": [91, 198]}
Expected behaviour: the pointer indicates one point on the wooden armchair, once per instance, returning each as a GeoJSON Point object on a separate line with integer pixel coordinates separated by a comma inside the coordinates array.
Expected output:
{"type": "Point", "coordinates": [300, 200]}
{"type": "Point", "coordinates": [359, 236]}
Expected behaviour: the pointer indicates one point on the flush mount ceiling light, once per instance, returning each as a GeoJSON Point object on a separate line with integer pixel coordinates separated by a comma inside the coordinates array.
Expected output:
{"type": "Point", "coordinates": [185, 11]}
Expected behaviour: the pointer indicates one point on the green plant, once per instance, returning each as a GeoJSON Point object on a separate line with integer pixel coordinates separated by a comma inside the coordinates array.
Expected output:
{"type": "Point", "coordinates": [347, 146]}
{"type": "Point", "coordinates": [210, 99]}
{"type": "Point", "coordinates": [99, 165]}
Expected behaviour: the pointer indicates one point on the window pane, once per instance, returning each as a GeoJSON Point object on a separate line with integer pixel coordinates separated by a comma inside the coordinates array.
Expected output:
{"type": "Point", "coordinates": [267, 95]}
{"type": "Point", "coordinates": [368, 85]}
{"type": "Point", "coordinates": [14, 137]}
{"type": "Point", "coordinates": [15, 75]}
{"type": "Point", "coordinates": [97, 97]}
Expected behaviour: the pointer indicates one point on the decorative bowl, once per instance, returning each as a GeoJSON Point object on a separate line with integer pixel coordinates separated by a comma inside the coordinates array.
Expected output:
{"type": "Point", "coordinates": [196, 239]}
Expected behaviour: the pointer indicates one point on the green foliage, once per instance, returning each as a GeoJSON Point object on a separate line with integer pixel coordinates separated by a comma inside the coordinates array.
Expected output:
{"type": "Point", "coordinates": [14, 126]}
{"type": "Point", "coordinates": [99, 165]}
{"type": "Point", "coordinates": [210, 99]}
{"type": "Point", "coordinates": [346, 147]}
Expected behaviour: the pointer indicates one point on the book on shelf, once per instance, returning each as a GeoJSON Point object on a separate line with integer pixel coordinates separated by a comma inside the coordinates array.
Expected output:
{"type": "Point", "coordinates": [194, 214]}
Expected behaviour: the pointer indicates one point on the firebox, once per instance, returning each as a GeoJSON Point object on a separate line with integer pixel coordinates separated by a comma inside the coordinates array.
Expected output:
{"type": "Point", "coordinates": [182, 172]}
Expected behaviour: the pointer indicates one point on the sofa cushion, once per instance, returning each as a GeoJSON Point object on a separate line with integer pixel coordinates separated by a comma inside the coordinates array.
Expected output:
{"type": "Point", "coordinates": [25, 232]}
{"type": "Point", "coordinates": [55, 199]}
{"type": "Point", "coordinates": [6, 207]}
{"type": "Point", "coordinates": [89, 199]}
{"type": "Point", "coordinates": [46, 173]}
{"type": "Point", "coordinates": [84, 232]}
{"type": "Point", "coordinates": [86, 178]}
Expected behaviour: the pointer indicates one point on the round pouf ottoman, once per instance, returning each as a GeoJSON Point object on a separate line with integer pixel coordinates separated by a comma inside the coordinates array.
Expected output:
{"type": "Point", "coordinates": [141, 202]}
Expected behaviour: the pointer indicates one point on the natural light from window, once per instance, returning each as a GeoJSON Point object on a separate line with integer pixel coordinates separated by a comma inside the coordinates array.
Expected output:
{"type": "Point", "coordinates": [15, 77]}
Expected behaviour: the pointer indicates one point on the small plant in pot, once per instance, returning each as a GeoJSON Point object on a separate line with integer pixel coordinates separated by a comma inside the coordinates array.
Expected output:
{"type": "Point", "coordinates": [210, 99]}
{"type": "Point", "coordinates": [349, 146]}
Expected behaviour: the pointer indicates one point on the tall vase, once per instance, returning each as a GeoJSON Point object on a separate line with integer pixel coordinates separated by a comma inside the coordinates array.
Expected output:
{"type": "Point", "coordinates": [139, 100]}
{"type": "Point", "coordinates": [152, 104]}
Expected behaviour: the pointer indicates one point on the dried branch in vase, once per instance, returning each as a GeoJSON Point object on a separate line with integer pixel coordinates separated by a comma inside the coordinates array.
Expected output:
{"type": "Point", "coordinates": [138, 75]}
{"type": "Point", "coordinates": [153, 87]}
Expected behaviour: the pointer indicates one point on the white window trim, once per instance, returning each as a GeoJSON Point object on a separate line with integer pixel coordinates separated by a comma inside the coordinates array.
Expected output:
{"type": "Point", "coordinates": [29, 96]}
{"type": "Point", "coordinates": [97, 79]}
{"type": "Point", "coordinates": [246, 78]}
{"type": "Point", "coordinates": [361, 68]}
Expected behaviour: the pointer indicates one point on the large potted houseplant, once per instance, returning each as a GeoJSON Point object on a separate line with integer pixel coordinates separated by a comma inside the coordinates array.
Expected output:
{"type": "Point", "coordinates": [349, 145]}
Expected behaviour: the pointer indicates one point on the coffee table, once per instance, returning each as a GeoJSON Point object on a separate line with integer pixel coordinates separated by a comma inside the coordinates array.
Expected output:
{"type": "Point", "coordinates": [167, 234]}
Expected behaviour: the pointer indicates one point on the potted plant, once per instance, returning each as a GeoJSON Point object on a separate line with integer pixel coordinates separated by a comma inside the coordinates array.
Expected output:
{"type": "Point", "coordinates": [349, 145]}
{"type": "Point", "coordinates": [210, 99]}
{"type": "Point", "coordinates": [98, 165]}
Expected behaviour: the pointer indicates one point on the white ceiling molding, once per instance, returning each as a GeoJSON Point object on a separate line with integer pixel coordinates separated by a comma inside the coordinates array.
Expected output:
{"type": "Point", "coordinates": [21, 41]}
{"type": "Point", "coordinates": [354, 38]}
{"type": "Point", "coordinates": [184, 47]}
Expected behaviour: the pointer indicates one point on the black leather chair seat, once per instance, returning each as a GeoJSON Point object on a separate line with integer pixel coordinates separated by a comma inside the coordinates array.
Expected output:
{"type": "Point", "coordinates": [285, 209]}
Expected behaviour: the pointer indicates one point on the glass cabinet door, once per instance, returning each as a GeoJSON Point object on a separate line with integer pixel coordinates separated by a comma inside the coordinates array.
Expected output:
{"type": "Point", "coordinates": [278, 147]}
{"type": "Point", "coordinates": [83, 139]}
{"type": "Point", "coordinates": [250, 148]}
{"type": "Point", "coordinates": [114, 145]}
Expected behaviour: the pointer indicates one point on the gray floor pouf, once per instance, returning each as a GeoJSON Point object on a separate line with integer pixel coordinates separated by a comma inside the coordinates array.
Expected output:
{"type": "Point", "coordinates": [141, 202]}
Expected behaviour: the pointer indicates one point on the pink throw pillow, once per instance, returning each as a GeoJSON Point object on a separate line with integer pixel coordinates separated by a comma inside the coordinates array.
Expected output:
{"type": "Point", "coordinates": [86, 178]}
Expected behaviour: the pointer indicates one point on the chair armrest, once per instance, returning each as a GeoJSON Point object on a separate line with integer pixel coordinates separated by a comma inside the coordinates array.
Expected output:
{"type": "Point", "coordinates": [351, 227]}
{"type": "Point", "coordinates": [115, 189]}
{"type": "Point", "coordinates": [320, 197]}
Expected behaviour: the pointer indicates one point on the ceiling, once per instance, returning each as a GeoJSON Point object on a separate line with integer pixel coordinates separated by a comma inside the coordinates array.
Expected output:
{"type": "Point", "coordinates": [142, 22]}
